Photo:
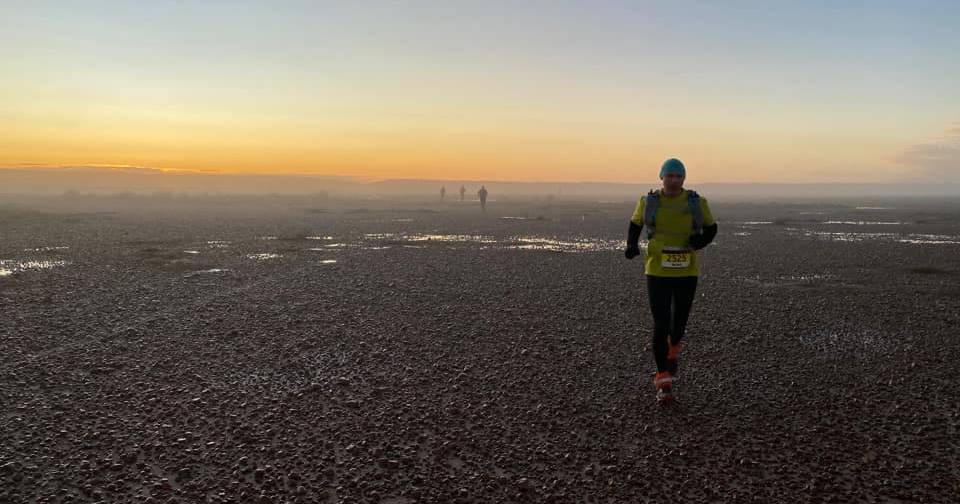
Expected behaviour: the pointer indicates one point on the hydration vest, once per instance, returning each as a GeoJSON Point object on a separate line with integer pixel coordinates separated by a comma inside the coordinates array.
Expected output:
{"type": "Point", "coordinates": [653, 204]}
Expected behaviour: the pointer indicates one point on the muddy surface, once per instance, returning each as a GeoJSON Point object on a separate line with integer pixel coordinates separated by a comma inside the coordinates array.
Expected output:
{"type": "Point", "coordinates": [399, 353]}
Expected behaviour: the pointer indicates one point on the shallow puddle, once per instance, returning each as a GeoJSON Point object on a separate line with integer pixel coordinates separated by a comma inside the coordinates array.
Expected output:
{"type": "Point", "coordinates": [264, 256]}
{"type": "Point", "coordinates": [555, 245]}
{"type": "Point", "coordinates": [47, 249]}
{"type": "Point", "coordinates": [808, 277]}
{"type": "Point", "coordinates": [848, 237]}
{"type": "Point", "coordinates": [9, 267]}
{"type": "Point", "coordinates": [918, 239]}
{"type": "Point", "coordinates": [450, 238]}
{"type": "Point", "coordinates": [931, 239]}
{"type": "Point", "coordinates": [211, 271]}
{"type": "Point", "coordinates": [421, 240]}
{"type": "Point", "coordinates": [867, 223]}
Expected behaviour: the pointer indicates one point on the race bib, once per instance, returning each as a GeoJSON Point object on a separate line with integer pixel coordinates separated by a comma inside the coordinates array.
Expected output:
{"type": "Point", "coordinates": [675, 259]}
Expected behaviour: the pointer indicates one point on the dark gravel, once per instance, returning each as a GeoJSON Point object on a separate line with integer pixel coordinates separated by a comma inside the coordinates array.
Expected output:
{"type": "Point", "coordinates": [819, 368]}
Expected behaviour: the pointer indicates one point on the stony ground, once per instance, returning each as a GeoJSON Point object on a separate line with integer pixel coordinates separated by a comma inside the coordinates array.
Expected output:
{"type": "Point", "coordinates": [269, 351]}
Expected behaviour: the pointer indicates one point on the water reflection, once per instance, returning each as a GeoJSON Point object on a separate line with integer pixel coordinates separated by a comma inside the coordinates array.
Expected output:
{"type": "Point", "coordinates": [544, 243]}
{"type": "Point", "coordinates": [9, 267]}
{"type": "Point", "coordinates": [450, 238]}
{"type": "Point", "coordinates": [46, 249]}
{"type": "Point", "coordinates": [575, 245]}
{"type": "Point", "coordinates": [211, 271]}
{"type": "Point", "coordinates": [918, 239]}
{"type": "Point", "coordinates": [263, 256]}
{"type": "Point", "coordinates": [808, 277]}
{"type": "Point", "coordinates": [867, 223]}
{"type": "Point", "coordinates": [931, 240]}
{"type": "Point", "coordinates": [847, 237]}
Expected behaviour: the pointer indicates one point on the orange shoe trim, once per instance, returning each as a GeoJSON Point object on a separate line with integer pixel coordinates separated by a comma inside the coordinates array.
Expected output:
{"type": "Point", "coordinates": [663, 380]}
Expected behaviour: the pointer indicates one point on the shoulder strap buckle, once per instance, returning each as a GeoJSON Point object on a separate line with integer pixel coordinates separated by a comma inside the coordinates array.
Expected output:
{"type": "Point", "coordinates": [651, 205]}
{"type": "Point", "coordinates": [693, 201]}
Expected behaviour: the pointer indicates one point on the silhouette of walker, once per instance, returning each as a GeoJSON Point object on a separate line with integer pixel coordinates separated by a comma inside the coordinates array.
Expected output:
{"type": "Point", "coordinates": [463, 190]}
{"type": "Point", "coordinates": [483, 197]}
{"type": "Point", "coordinates": [443, 192]}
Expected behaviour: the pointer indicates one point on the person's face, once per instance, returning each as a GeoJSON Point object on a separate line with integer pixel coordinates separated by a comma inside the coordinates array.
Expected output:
{"type": "Point", "coordinates": [673, 182]}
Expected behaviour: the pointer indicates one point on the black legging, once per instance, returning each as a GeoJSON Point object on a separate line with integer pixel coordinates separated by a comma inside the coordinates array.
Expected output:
{"type": "Point", "coordinates": [670, 302]}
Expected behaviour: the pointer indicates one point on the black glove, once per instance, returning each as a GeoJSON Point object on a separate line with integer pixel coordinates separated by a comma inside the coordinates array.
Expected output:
{"type": "Point", "coordinates": [633, 241]}
{"type": "Point", "coordinates": [699, 241]}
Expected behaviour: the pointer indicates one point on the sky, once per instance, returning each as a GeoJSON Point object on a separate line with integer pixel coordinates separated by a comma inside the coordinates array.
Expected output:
{"type": "Point", "coordinates": [525, 91]}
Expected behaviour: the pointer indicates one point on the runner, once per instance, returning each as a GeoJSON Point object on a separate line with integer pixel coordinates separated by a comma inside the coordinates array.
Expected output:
{"type": "Point", "coordinates": [679, 223]}
{"type": "Point", "coordinates": [482, 193]}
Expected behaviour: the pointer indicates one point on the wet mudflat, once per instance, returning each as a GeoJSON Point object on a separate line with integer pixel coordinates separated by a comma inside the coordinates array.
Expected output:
{"type": "Point", "coordinates": [400, 352]}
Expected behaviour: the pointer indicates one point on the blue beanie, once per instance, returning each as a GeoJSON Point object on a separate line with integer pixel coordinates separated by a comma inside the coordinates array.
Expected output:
{"type": "Point", "coordinates": [673, 165]}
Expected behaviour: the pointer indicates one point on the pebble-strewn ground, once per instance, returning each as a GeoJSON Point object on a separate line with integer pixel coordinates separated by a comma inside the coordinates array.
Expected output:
{"type": "Point", "coordinates": [272, 351]}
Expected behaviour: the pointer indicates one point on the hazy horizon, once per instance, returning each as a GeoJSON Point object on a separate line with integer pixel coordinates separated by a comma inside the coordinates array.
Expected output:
{"type": "Point", "coordinates": [105, 181]}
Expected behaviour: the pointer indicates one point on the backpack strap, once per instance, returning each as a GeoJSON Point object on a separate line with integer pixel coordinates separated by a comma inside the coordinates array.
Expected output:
{"type": "Point", "coordinates": [693, 201]}
{"type": "Point", "coordinates": [651, 205]}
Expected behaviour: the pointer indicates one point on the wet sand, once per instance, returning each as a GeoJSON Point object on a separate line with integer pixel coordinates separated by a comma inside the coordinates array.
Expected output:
{"type": "Point", "coordinates": [237, 351]}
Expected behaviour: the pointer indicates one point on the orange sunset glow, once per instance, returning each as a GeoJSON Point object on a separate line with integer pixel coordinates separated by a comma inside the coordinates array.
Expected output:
{"type": "Point", "coordinates": [378, 92]}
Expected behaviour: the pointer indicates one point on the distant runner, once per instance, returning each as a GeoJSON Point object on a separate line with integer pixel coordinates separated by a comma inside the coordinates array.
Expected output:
{"type": "Point", "coordinates": [678, 223]}
{"type": "Point", "coordinates": [483, 197]}
{"type": "Point", "coordinates": [463, 190]}
{"type": "Point", "coordinates": [443, 192]}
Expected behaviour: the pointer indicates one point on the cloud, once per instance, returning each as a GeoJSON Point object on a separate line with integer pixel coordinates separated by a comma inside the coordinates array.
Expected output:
{"type": "Point", "coordinates": [938, 158]}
